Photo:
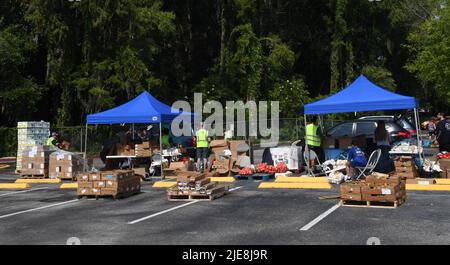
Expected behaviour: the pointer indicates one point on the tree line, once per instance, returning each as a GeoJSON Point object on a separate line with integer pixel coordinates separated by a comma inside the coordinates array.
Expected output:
{"type": "Point", "coordinates": [61, 60]}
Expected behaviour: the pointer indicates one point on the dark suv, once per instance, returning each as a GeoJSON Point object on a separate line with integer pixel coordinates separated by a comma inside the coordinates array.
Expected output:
{"type": "Point", "coordinates": [401, 120]}
{"type": "Point", "coordinates": [366, 127]}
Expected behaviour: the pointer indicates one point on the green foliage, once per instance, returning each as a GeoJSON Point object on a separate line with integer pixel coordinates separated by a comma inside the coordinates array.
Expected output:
{"type": "Point", "coordinates": [430, 45]}
{"type": "Point", "coordinates": [380, 76]}
{"type": "Point", "coordinates": [68, 59]}
{"type": "Point", "coordinates": [292, 95]}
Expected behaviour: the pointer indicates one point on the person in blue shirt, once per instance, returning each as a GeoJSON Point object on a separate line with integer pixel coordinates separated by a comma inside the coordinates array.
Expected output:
{"type": "Point", "coordinates": [356, 158]}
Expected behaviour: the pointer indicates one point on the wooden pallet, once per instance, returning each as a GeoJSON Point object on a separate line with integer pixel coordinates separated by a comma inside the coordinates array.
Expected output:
{"type": "Point", "coordinates": [114, 197]}
{"type": "Point", "coordinates": [372, 204]}
{"type": "Point", "coordinates": [195, 197]}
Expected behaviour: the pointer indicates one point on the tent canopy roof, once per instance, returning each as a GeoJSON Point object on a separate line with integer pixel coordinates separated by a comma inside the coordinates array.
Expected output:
{"type": "Point", "coordinates": [143, 109]}
{"type": "Point", "coordinates": [361, 95]}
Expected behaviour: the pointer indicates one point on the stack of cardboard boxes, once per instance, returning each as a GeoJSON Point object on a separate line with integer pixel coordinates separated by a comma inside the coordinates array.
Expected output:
{"type": "Point", "coordinates": [29, 134]}
{"type": "Point", "coordinates": [108, 183]}
{"type": "Point", "coordinates": [125, 149]}
{"type": "Point", "coordinates": [230, 163]}
{"type": "Point", "coordinates": [35, 161]}
{"type": "Point", "coordinates": [405, 167]}
{"type": "Point", "coordinates": [143, 150]}
{"type": "Point", "coordinates": [220, 163]}
{"type": "Point", "coordinates": [444, 164]}
{"type": "Point", "coordinates": [65, 165]}
{"type": "Point", "coordinates": [375, 189]}
{"type": "Point", "coordinates": [192, 186]}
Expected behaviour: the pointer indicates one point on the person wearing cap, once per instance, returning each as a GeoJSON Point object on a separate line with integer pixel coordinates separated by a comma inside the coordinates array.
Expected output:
{"type": "Point", "coordinates": [53, 141]}
{"type": "Point", "coordinates": [356, 158]}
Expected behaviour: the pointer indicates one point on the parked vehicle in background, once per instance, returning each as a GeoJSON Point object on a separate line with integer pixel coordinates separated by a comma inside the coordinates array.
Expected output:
{"type": "Point", "coordinates": [367, 127]}
{"type": "Point", "coordinates": [401, 120]}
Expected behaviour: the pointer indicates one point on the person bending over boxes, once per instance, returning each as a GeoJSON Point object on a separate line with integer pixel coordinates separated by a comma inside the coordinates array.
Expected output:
{"type": "Point", "coordinates": [356, 158]}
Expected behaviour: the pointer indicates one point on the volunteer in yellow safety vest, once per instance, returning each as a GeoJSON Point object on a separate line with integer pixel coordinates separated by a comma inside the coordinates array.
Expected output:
{"type": "Point", "coordinates": [166, 140]}
{"type": "Point", "coordinates": [52, 141]}
{"type": "Point", "coordinates": [312, 138]}
{"type": "Point", "coordinates": [202, 140]}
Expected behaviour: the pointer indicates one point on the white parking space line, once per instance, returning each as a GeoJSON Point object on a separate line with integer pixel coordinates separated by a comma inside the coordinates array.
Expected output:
{"type": "Point", "coordinates": [22, 191]}
{"type": "Point", "coordinates": [37, 209]}
{"type": "Point", "coordinates": [319, 218]}
{"type": "Point", "coordinates": [169, 210]}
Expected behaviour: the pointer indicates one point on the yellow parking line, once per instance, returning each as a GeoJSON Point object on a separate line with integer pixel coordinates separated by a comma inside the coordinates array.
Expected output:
{"type": "Point", "coordinates": [302, 179]}
{"type": "Point", "coordinates": [443, 181]}
{"type": "Point", "coordinates": [14, 186]}
{"type": "Point", "coordinates": [433, 187]}
{"type": "Point", "coordinates": [223, 179]}
{"type": "Point", "coordinates": [279, 185]}
{"type": "Point", "coordinates": [164, 184]}
{"type": "Point", "coordinates": [73, 185]}
{"type": "Point", "coordinates": [50, 181]}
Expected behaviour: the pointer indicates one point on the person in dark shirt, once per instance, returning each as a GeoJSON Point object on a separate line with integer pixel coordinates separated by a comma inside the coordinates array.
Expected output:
{"type": "Point", "coordinates": [356, 158]}
{"type": "Point", "coordinates": [443, 134]}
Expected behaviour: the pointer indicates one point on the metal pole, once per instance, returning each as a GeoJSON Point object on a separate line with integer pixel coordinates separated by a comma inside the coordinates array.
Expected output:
{"type": "Point", "coordinates": [85, 149]}
{"type": "Point", "coordinates": [418, 132]}
{"type": "Point", "coordinates": [161, 149]}
{"type": "Point", "coordinates": [306, 147]}
{"type": "Point", "coordinates": [81, 139]}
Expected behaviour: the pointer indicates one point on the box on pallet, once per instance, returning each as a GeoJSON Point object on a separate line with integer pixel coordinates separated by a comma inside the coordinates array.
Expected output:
{"type": "Point", "coordinates": [111, 183]}
{"type": "Point", "coordinates": [65, 165]}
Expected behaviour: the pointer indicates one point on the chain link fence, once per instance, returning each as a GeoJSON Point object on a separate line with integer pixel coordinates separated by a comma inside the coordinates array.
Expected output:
{"type": "Point", "coordinates": [290, 130]}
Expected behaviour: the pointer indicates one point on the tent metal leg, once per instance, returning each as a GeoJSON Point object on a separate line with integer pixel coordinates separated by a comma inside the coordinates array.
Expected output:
{"type": "Point", "coordinates": [161, 150]}
{"type": "Point", "coordinates": [418, 132]}
{"type": "Point", "coordinates": [85, 166]}
{"type": "Point", "coordinates": [306, 148]}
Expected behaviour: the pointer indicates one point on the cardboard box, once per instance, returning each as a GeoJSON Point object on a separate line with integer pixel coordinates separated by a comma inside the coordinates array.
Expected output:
{"type": "Point", "coordinates": [84, 191]}
{"type": "Point", "coordinates": [421, 181]}
{"type": "Point", "coordinates": [445, 173]}
{"type": "Point", "coordinates": [99, 184]}
{"type": "Point", "coordinates": [345, 142]}
{"type": "Point", "coordinates": [351, 196]}
{"type": "Point", "coordinates": [351, 188]}
{"type": "Point", "coordinates": [444, 163]}
{"type": "Point", "coordinates": [96, 191]}
{"type": "Point", "coordinates": [381, 198]}
{"type": "Point", "coordinates": [94, 176]}
{"type": "Point", "coordinates": [83, 177]}
{"type": "Point", "coordinates": [405, 169]}
{"type": "Point", "coordinates": [404, 163]}
{"type": "Point", "coordinates": [113, 176]}
{"type": "Point", "coordinates": [392, 180]}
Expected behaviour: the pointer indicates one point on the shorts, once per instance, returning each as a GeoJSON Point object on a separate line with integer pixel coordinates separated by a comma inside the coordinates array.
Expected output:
{"type": "Point", "coordinates": [356, 164]}
{"type": "Point", "coordinates": [202, 152]}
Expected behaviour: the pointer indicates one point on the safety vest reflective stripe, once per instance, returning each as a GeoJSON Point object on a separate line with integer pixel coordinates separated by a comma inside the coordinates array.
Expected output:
{"type": "Point", "coordinates": [202, 138]}
{"type": "Point", "coordinates": [311, 135]}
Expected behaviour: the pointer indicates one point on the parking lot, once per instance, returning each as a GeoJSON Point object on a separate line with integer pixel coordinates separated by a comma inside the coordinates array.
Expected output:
{"type": "Point", "coordinates": [46, 214]}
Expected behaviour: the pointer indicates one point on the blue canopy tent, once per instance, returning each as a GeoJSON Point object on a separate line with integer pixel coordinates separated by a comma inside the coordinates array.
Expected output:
{"type": "Point", "coordinates": [143, 109]}
{"type": "Point", "coordinates": [363, 95]}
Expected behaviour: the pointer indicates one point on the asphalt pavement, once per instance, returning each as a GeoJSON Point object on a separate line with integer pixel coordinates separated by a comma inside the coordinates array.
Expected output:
{"type": "Point", "coordinates": [47, 214]}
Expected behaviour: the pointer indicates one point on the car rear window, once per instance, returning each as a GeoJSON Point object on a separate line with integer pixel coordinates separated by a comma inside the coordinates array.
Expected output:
{"type": "Point", "coordinates": [342, 130]}
{"type": "Point", "coordinates": [367, 128]}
